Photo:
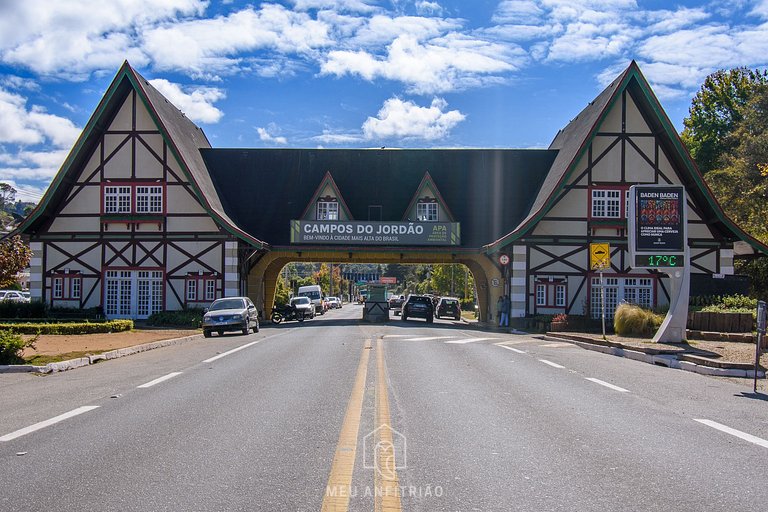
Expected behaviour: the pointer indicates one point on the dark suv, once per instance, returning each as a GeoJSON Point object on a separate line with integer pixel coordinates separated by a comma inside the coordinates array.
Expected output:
{"type": "Point", "coordinates": [448, 306]}
{"type": "Point", "coordinates": [418, 306]}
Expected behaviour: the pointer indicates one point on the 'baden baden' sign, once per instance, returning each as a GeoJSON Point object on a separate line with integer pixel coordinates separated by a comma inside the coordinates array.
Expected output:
{"type": "Point", "coordinates": [337, 232]}
{"type": "Point", "coordinates": [657, 226]}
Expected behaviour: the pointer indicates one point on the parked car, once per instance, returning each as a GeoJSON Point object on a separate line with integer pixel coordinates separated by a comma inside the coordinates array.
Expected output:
{"type": "Point", "coordinates": [315, 294]}
{"type": "Point", "coordinates": [304, 308]}
{"type": "Point", "coordinates": [396, 303]}
{"type": "Point", "coordinates": [418, 306]}
{"type": "Point", "coordinates": [13, 296]}
{"type": "Point", "coordinates": [448, 306]}
{"type": "Point", "coordinates": [230, 314]}
{"type": "Point", "coordinates": [333, 302]}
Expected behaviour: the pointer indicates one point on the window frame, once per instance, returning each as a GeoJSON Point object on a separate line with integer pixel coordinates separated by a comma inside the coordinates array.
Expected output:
{"type": "Point", "coordinates": [621, 202]}
{"type": "Point", "coordinates": [330, 207]}
{"type": "Point", "coordinates": [66, 285]}
{"type": "Point", "coordinates": [126, 197]}
{"type": "Point", "coordinates": [427, 215]}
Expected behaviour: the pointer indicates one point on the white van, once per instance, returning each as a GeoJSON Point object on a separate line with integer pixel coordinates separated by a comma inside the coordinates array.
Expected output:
{"type": "Point", "coordinates": [315, 294]}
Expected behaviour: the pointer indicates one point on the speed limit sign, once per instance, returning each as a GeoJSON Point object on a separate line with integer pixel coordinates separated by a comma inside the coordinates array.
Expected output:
{"type": "Point", "coordinates": [504, 259]}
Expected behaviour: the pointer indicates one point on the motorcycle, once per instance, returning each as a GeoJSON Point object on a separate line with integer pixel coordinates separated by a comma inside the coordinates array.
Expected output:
{"type": "Point", "coordinates": [287, 312]}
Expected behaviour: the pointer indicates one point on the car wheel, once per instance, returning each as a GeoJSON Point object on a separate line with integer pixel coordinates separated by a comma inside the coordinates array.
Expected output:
{"type": "Point", "coordinates": [246, 329]}
{"type": "Point", "coordinates": [457, 317]}
{"type": "Point", "coordinates": [430, 319]}
{"type": "Point", "coordinates": [220, 333]}
{"type": "Point", "coordinates": [256, 327]}
{"type": "Point", "coordinates": [206, 333]}
{"type": "Point", "coordinates": [405, 317]}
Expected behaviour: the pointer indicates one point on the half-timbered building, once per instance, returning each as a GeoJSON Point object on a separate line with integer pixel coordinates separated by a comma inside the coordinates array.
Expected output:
{"type": "Point", "coordinates": [145, 216]}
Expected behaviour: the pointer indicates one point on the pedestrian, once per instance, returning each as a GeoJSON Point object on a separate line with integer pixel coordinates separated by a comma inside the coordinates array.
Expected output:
{"type": "Point", "coordinates": [500, 309]}
{"type": "Point", "coordinates": [505, 311]}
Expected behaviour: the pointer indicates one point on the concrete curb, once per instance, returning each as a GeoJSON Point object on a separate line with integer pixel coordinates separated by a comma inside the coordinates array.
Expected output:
{"type": "Point", "coordinates": [71, 364]}
{"type": "Point", "coordinates": [669, 361]}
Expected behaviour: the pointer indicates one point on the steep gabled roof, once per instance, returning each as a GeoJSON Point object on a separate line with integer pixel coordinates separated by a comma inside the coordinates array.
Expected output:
{"type": "Point", "coordinates": [184, 138]}
{"type": "Point", "coordinates": [327, 180]}
{"type": "Point", "coordinates": [573, 141]}
{"type": "Point", "coordinates": [427, 181]}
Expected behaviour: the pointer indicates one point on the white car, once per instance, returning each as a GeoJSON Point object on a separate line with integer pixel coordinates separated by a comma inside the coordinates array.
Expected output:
{"type": "Point", "coordinates": [230, 314]}
{"type": "Point", "coordinates": [333, 302]}
{"type": "Point", "coordinates": [13, 296]}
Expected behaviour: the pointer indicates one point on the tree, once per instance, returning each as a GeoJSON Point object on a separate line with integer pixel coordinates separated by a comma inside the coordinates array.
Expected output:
{"type": "Point", "coordinates": [7, 197]}
{"type": "Point", "coordinates": [741, 184]}
{"type": "Point", "coordinates": [715, 112]}
{"type": "Point", "coordinates": [14, 257]}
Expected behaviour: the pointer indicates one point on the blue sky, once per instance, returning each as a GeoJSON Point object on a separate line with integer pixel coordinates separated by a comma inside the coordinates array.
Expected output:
{"type": "Point", "coordinates": [353, 73]}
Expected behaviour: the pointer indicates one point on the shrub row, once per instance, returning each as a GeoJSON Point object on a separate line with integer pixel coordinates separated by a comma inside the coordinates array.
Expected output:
{"type": "Point", "coordinates": [69, 328]}
{"type": "Point", "coordinates": [49, 320]}
{"type": "Point", "coordinates": [37, 309]}
{"type": "Point", "coordinates": [192, 317]}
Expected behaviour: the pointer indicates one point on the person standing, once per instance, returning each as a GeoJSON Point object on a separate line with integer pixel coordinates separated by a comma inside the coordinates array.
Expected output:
{"type": "Point", "coordinates": [500, 309]}
{"type": "Point", "coordinates": [505, 303]}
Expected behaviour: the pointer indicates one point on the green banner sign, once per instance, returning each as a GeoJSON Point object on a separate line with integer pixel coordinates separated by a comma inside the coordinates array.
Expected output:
{"type": "Point", "coordinates": [375, 233]}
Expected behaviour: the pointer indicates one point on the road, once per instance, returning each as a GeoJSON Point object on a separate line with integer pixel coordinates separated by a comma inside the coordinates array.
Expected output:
{"type": "Point", "coordinates": [333, 414]}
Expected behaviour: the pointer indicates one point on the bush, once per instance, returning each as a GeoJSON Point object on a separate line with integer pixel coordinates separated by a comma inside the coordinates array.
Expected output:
{"type": "Point", "coordinates": [70, 327]}
{"type": "Point", "coordinates": [467, 304]}
{"type": "Point", "coordinates": [192, 317]}
{"type": "Point", "coordinates": [11, 345]}
{"type": "Point", "coordinates": [632, 320]}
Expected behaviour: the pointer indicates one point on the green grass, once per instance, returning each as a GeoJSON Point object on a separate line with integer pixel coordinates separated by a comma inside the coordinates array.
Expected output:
{"type": "Point", "coordinates": [44, 359]}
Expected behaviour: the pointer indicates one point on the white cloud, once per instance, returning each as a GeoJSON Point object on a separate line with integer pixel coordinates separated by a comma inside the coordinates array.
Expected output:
{"type": "Point", "coordinates": [195, 102]}
{"type": "Point", "coordinates": [217, 45]}
{"type": "Point", "coordinates": [73, 38]}
{"type": "Point", "coordinates": [329, 137]}
{"type": "Point", "coordinates": [425, 7]}
{"type": "Point", "coordinates": [359, 6]}
{"type": "Point", "coordinates": [34, 125]}
{"type": "Point", "coordinates": [265, 135]}
{"type": "Point", "coordinates": [445, 64]}
{"type": "Point", "coordinates": [400, 119]}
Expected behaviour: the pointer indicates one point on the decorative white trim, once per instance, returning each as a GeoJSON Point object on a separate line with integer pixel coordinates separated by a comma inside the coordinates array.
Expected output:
{"type": "Point", "coordinates": [36, 246]}
{"type": "Point", "coordinates": [517, 281]}
{"type": "Point", "coordinates": [230, 261]}
{"type": "Point", "coordinates": [726, 270]}
{"type": "Point", "coordinates": [518, 250]}
{"type": "Point", "coordinates": [518, 297]}
{"type": "Point", "coordinates": [36, 262]}
{"type": "Point", "coordinates": [519, 265]}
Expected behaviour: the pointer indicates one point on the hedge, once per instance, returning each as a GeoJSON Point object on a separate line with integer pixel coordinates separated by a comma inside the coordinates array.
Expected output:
{"type": "Point", "coordinates": [192, 317]}
{"type": "Point", "coordinates": [11, 346]}
{"type": "Point", "coordinates": [69, 328]}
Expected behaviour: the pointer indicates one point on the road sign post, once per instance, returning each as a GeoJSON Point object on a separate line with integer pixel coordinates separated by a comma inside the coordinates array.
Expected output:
{"type": "Point", "coordinates": [761, 321]}
{"type": "Point", "coordinates": [600, 259]}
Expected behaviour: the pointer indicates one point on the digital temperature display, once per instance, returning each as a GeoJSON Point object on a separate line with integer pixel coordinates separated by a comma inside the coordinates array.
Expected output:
{"type": "Point", "coordinates": [659, 260]}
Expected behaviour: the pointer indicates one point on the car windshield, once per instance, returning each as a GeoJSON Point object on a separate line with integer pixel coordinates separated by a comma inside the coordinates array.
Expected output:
{"type": "Point", "coordinates": [227, 304]}
{"type": "Point", "coordinates": [425, 300]}
{"type": "Point", "coordinates": [311, 295]}
{"type": "Point", "coordinates": [300, 300]}
{"type": "Point", "coordinates": [450, 302]}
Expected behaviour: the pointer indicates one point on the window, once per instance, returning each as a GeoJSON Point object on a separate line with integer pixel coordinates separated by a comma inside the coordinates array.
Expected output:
{"type": "Point", "coordinates": [551, 292]}
{"type": "Point", "coordinates": [117, 199]}
{"type": "Point", "coordinates": [636, 290]}
{"type": "Point", "coordinates": [560, 295]}
{"type": "Point", "coordinates": [77, 285]}
{"type": "Point", "coordinates": [426, 212]}
{"type": "Point", "coordinates": [58, 287]}
{"type": "Point", "coordinates": [149, 199]}
{"type": "Point", "coordinates": [133, 293]}
{"type": "Point", "coordinates": [327, 210]}
{"type": "Point", "coordinates": [210, 289]}
{"type": "Point", "coordinates": [191, 290]}
{"type": "Point", "coordinates": [606, 204]}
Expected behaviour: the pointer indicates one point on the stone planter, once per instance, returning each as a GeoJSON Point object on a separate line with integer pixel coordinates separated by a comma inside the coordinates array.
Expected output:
{"type": "Point", "coordinates": [558, 326]}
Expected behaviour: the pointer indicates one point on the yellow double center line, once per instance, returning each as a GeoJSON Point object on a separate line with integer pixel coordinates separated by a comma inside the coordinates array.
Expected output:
{"type": "Point", "coordinates": [339, 488]}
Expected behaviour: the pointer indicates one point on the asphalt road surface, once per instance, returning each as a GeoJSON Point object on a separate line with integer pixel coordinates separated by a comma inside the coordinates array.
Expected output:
{"type": "Point", "coordinates": [334, 414]}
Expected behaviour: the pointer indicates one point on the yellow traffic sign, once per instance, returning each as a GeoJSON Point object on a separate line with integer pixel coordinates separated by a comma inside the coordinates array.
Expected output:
{"type": "Point", "coordinates": [599, 256]}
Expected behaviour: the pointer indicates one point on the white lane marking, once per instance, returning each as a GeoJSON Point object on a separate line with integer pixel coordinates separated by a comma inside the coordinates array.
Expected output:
{"type": "Point", "coordinates": [557, 345]}
{"type": "Point", "coordinates": [48, 423]}
{"type": "Point", "coordinates": [608, 385]}
{"type": "Point", "coordinates": [228, 352]}
{"type": "Point", "coordinates": [517, 351]}
{"type": "Point", "coordinates": [469, 340]}
{"type": "Point", "coordinates": [728, 430]}
{"type": "Point", "coordinates": [550, 363]}
{"type": "Point", "coordinates": [159, 380]}
{"type": "Point", "coordinates": [397, 335]}
{"type": "Point", "coordinates": [430, 338]}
